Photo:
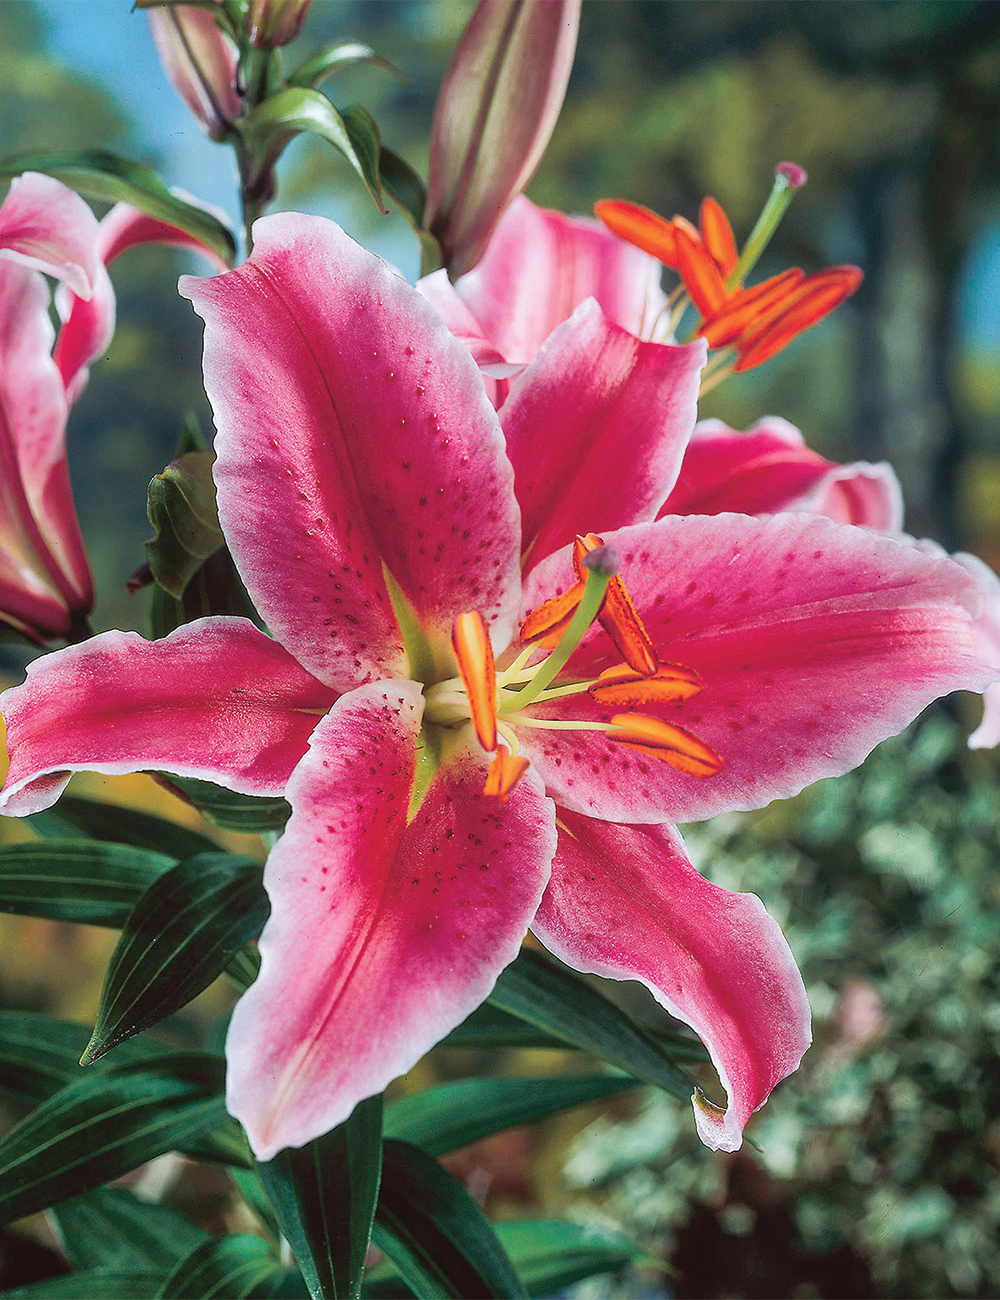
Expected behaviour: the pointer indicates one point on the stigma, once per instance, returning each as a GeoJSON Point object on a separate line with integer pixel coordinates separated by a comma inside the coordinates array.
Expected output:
{"type": "Point", "coordinates": [499, 702]}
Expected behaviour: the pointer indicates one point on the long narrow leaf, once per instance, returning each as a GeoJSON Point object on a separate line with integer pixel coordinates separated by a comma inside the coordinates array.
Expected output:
{"type": "Point", "coordinates": [94, 1284]}
{"type": "Point", "coordinates": [551, 1256]}
{"type": "Point", "coordinates": [85, 881]}
{"type": "Point", "coordinates": [555, 1000]}
{"type": "Point", "coordinates": [72, 817]}
{"type": "Point", "coordinates": [103, 1126]}
{"type": "Point", "coordinates": [222, 1268]}
{"type": "Point", "coordinates": [435, 1233]}
{"type": "Point", "coordinates": [110, 1228]}
{"type": "Point", "coordinates": [225, 808]}
{"type": "Point", "coordinates": [455, 1114]}
{"type": "Point", "coordinates": [324, 1196]}
{"type": "Point", "coordinates": [39, 1054]}
{"type": "Point", "coordinates": [97, 174]}
{"type": "Point", "coordinates": [336, 57]}
{"type": "Point", "coordinates": [181, 935]}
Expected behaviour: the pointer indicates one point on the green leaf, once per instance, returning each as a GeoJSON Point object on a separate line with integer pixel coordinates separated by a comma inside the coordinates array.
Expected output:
{"type": "Point", "coordinates": [324, 1195]}
{"type": "Point", "coordinates": [72, 816]}
{"type": "Point", "coordinates": [231, 811]}
{"type": "Point", "coordinates": [225, 1145]}
{"type": "Point", "coordinates": [269, 128]}
{"type": "Point", "coordinates": [548, 1256]}
{"type": "Point", "coordinates": [95, 1284]}
{"type": "Point", "coordinates": [334, 58]}
{"type": "Point", "coordinates": [39, 1054]}
{"type": "Point", "coordinates": [248, 1183]}
{"type": "Point", "coordinates": [489, 1026]}
{"type": "Point", "coordinates": [557, 1001]}
{"type": "Point", "coordinates": [180, 937]}
{"type": "Point", "coordinates": [551, 1256]}
{"type": "Point", "coordinates": [223, 1268]}
{"type": "Point", "coordinates": [110, 1228]}
{"type": "Point", "coordinates": [455, 1114]}
{"type": "Point", "coordinates": [215, 588]}
{"type": "Point", "coordinates": [435, 1233]}
{"type": "Point", "coordinates": [406, 190]}
{"type": "Point", "coordinates": [85, 881]}
{"type": "Point", "coordinates": [105, 1125]}
{"type": "Point", "coordinates": [97, 174]}
{"type": "Point", "coordinates": [182, 509]}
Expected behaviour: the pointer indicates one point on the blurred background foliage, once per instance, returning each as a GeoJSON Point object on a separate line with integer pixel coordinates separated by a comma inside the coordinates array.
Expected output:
{"type": "Point", "coordinates": [876, 1167]}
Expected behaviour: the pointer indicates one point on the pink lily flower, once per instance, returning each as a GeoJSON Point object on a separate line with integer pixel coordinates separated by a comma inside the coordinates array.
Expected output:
{"type": "Point", "coordinates": [46, 589]}
{"type": "Point", "coordinates": [451, 783]}
{"type": "Point", "coordinates": [538, 268]}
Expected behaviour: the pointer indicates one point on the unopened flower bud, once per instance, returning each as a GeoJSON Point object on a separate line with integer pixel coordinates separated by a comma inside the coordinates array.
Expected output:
{"type": "Point", "coordinates": [495, 112]}
{"type": "Point", "coordinates": [201, 61]}
{"type": "Point", "coordinates": [275, 22]}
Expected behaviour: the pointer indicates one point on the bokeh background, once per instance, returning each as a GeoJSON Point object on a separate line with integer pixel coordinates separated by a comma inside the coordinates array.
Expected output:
{"type": "Point", "coordinates": [875, 1170]}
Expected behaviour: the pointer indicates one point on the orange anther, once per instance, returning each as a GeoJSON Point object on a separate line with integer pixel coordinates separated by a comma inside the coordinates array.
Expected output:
{"type": "Point", "coordinates": [618, 615]}
{"type": "Point", "coordinates": [659, 739]}
{"type": "Point", "coordinates": [702, 277]}
{"type": "Point", "coordinates": [648, 231]}
{"type": "Point", "coordinates": [814, 297]}
{"type": "Point", "coordinates": [667, 685]}
{"type": "Point", "coordinates": [470, 642]}
{"type": "Point", "coordinates": [546, 624]}
{"type": "Point", "coordinates": [749, 307]}
{"type": "Point", "coordinates": [505, 772]}
{"type": "Point", "coordinates": [717, 235]}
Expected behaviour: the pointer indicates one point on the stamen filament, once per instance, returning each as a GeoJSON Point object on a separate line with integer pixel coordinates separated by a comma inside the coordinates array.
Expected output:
{"type": "Point", "coordinates": [721, 372]}
{"type": "Point", "coordinates": [587, 610]}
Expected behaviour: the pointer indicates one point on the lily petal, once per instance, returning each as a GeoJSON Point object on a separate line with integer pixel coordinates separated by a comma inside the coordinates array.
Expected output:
{"type": "Point", "coordinates": [46, 226]}
{"type": "Point", "coordinates": [625, 902]}
{"type": "Point", "coordinates": [769, 468]}
{"type": "Point", "coordinates": [541, 265]}
{"type": "Point", "coordinates": [216, 699]}
{"type": "Point", "coordinates": [385, 932]}
{"type": "Point", "coordinates": [317, 357]}
{"type": "Point", "coordinates": [44, 576]}
{"type": "Point", "coordinates": [88, 324]}
{"type": "Point", "coordinates": [814, 642]}
{"type": "Point", "coordinates": [987, 734]}
{"type": "Point", "coordinates": [596, 427]}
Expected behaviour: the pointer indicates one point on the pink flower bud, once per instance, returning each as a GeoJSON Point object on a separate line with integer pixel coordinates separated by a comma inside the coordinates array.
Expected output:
{"type": "Point", "coordinates": [275, 22]}
{"type": "Point", "coordinates": [495, 112]}
{"type": "Point", "coordinates": [201, 61]}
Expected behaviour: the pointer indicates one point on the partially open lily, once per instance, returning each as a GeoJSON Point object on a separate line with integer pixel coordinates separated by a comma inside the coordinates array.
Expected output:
{"type": "Point", "coordinates": [202, 63]}
{"type": "Point", "coordinates": [453, 778]}
{"type": "Point", "coordinates": [754, 322]}
{"type": "Point", "coordinates": [46, 590]}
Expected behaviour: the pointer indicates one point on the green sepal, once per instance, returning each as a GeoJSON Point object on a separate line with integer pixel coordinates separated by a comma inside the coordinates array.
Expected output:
{"type": "Point", "coordinates": [97, 174]}
{"type": "Point", "coordinates": [215, 588]}
{"type": "Point", "coordinates": [452, 1115]}
{"type": "Point", "coordinates": [434, 1232]}
{"type": "Point", "coordinates": [184, 515]}
{"type": "Point", "coordinates": [182, 933]}
{"type": "Point", "coordinates": [324, 1195]}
